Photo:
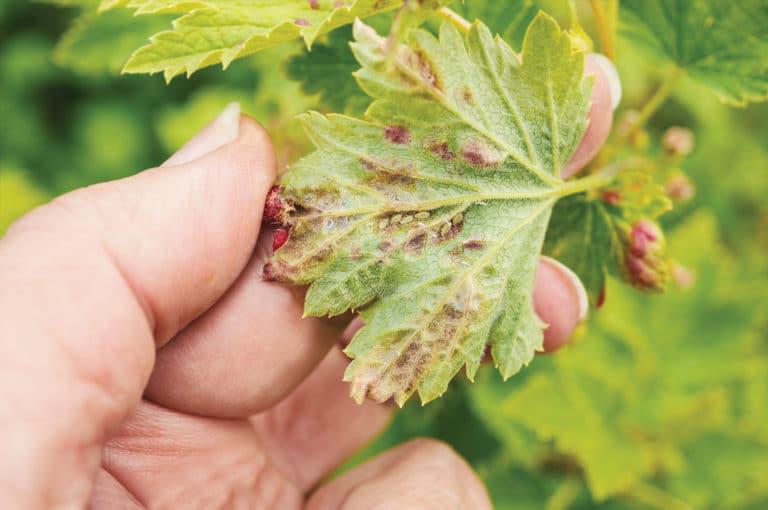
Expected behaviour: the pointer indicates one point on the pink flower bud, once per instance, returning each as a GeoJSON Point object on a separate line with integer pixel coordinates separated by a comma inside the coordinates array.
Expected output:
{"type": "Point", "coordinates": [680, 188]}
{"type": "Point", "coordinates": [678, 141]}
{"type": "Point", "coordinates": [644, 264]}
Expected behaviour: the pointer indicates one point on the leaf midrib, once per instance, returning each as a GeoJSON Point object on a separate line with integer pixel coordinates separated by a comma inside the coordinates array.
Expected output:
{"type": "Point", "coordinates": [429, 205]}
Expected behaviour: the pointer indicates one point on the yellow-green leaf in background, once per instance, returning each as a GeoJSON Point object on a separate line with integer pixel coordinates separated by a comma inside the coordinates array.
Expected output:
{"type": "Point", "coordinates": [220, 31]}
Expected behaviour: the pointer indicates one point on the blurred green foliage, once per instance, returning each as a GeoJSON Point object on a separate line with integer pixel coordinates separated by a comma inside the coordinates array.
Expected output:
{"type": "Point", "coordinates": [660, 402]}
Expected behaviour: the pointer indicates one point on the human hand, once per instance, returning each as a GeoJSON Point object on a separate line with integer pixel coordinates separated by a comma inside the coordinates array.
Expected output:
{"type": "Point", "coordinates": [146, 364]}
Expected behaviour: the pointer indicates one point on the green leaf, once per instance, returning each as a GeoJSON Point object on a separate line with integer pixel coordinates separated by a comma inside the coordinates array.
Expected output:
{"type": "Point", "coordinates": [430, 216]}
{"type": "Point", "coordinates": [220, 31]}
{"type": "Point", "coordinates": [327, 71]}
{"type": "Point", "coordinates": [719, 42]}
{"type": "Point", "coordinates": [509, 19]}
{"type": "Point", "coordinates": [589, 233]}
{"type": "Point", "coordinates": [96, 44]}
{"type": "Point", "coordinates": [648, 394]}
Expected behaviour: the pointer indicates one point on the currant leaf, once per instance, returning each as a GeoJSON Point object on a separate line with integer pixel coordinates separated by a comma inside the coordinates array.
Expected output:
{"type": "Point", "coordinates": [102, 43]}
{"type": "Point", "coordinates": [429, 217]}
{"type": "Point", "coordinates": [327, 71]}
{"type": "Point", "coordinates": [509, 19]}
{"type": "Point", "coordinates": [719, 43]}
{"type": "Point", "coordinates": [615, 397]}
{"type": "Point", "coordinates": [220, 31]}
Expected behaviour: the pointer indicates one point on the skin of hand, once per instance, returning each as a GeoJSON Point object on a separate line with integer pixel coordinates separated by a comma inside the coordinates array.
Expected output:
{"type": "Point", "coordinates": [145, 364]}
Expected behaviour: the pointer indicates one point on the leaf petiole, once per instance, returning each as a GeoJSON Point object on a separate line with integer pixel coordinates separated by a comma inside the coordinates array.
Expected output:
{"type": "Point", "coordinates": [599, 179]}
{"type": "Point", "coordinates": [655, 101]}
{"type": "Point", "coordinates": [605, 29]}
{"type": "Point", "coordinates": [454, 18]}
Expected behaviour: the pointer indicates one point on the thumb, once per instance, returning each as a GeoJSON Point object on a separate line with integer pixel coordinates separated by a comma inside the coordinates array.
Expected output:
{"type": "Point", "coordinates": [91, 283]}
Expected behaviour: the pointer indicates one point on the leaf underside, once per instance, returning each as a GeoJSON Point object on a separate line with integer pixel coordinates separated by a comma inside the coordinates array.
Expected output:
{"type": "Point", "coordinates": [722, 44]}
{"type": "Point", "coordinates": [219, 31]}
{"type": "Point", "coordinates": [429, 216]}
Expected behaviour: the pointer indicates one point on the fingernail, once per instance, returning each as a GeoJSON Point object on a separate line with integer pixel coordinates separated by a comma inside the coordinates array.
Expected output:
{"type": "Point", "coordinates": [578, 287]}
{"type": "Point", "coordinates": [224, 129]}
{"type": "Point", "coordinates": [611, 74]}
{"type": "Point", "coordinates": [228, 122]}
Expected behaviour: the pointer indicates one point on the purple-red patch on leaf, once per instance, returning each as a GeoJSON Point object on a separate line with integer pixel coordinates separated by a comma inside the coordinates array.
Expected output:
{"type": "Point", "coordinates": [397, 134]}
{"type": "Point", "coordinates": [477, 154]}
{"type": "Point", "coordinates": [442, 150]}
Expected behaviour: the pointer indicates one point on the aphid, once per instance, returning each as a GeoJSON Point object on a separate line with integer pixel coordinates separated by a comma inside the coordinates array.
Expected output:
{"type": "Point", "coordinates": [406, 219]}
{"type": "Point", "coordinates": [384, 223]}
{"type": "Point", "coordinates": [396, 218]}
{"type": "Point", "coordinates": [445, 229]}
{"type": "Point", "coordinates": [422, 215]}
{"type": "Point", "coordinates": [457, 218]}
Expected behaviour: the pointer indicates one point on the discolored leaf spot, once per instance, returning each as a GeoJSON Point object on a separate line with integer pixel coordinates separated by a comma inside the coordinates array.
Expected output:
{"type": "Point", "coordinates": [442, 150]}
{"type": "Point", "coordinates": [417, 242]}
{"type": "Point", "coordinates": [479, 153]}
{"type": "Point", "coordinates": [301, 22]}
{"type": "Point", "coordinates": [474, 244]}
{"type": "Point", "coordinates": [425, 70]}
{"type": "Point", "coordinates": [385, 246]}
{"type": "Point", "coordinates": [397, 134]}
{"type": "Point", "coordinates": [468, 97]}
{"type": "Point", "coordinates": [314, 4]}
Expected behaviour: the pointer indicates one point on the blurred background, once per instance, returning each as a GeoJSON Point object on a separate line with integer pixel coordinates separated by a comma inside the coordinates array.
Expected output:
{"type": "Point", "coordinates": [661, 402]}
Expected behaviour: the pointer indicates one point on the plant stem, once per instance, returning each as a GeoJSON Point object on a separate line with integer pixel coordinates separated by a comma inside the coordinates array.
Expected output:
{"type": "Point", "coordinates": [605, 29]}
{"type": "Point", "coordinates": [599, 179]}
{"type": "Point", "coordinates": [454, 18]}
{"type": "Point", "coordinates": [655, 101]}
{"type": "Point", "coordinates": [573, 15]}
{"type": "Point", "coordinates": [646, 112]}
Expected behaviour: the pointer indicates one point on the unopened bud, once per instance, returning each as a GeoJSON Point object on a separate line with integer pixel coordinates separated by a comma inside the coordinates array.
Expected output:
{"type": "Point", "coordinates": [680, 188]}
{"type": "Point", "coordinates": [678, 141]}
{"type": "Point", "coordinates": [644, 264]}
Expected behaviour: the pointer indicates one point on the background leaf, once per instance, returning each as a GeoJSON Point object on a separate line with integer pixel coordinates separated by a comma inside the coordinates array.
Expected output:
{"type": "Point", "coordinates": [199, 40]}
{"type": "Point", "coordinates": [721, 43]}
